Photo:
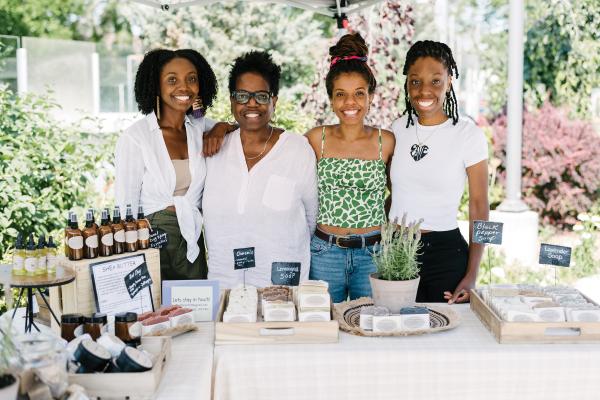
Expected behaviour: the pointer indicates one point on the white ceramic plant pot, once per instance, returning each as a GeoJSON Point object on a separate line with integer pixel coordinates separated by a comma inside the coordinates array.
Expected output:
{"type": "Point", "coordinates": [394, 294]}
{"type": "Point", "coordinates": [10, 392]}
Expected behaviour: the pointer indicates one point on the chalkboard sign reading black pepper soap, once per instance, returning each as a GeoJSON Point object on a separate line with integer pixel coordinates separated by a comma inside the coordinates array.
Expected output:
{"type": "Point", "coordinates": [137, 280]}
{"type": "Point", "coordinates": [487, 232]}
{"type": "Point", "coordinates": [551, 254]}
{"type": "Point", "coordinates": [158, 238]}
{"type": "Point", "coordinates": [285, 273]}
{"type": "Point", "coordinates": [243, 258]}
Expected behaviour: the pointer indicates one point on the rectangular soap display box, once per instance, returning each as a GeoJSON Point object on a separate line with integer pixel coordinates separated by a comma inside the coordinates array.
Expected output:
{"type": "Point", "coordinates": [262, 332]}
{"type": "Point", "coordinates": [134, 385]}
{"type": "Point", "coordinates": [535, 327]}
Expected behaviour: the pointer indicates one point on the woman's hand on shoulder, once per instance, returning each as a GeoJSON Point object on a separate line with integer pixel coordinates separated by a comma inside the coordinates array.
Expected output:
{"type": "Point", "coordinates": [314, 138]}
{"type": "Point", "coordinates": [213, 139]}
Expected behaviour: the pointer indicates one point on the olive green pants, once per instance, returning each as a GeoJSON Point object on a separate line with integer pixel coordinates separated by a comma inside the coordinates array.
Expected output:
{"type": "Point", "coordinates": [173, 261]}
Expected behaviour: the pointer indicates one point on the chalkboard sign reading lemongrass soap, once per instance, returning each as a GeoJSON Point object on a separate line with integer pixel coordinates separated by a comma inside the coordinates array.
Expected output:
{"type": "Point", "coordinates": [285, 273]}
{"type": "Point", "coordinates": [551, 254]}
{"type": "Point", "coordinates": [244, 258]}
{"type": "Point", "coordinates": [487, 232]}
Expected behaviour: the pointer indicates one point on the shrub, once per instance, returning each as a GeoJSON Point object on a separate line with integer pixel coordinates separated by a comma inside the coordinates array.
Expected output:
{"type": "Point", "coordinates": [561, 163]}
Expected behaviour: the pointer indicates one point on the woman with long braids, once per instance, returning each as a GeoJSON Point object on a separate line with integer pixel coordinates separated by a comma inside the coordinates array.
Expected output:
{"type": "Point", "coordinates": [435, 152]}
{"type": "Point", "coordinates": [352, 159]}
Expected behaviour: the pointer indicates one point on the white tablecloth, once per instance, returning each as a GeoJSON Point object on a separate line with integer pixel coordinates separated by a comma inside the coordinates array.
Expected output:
{"type": "Point", "coordinates": [465, 363]}
{"type": "Point", "coordinates": [188, 374]}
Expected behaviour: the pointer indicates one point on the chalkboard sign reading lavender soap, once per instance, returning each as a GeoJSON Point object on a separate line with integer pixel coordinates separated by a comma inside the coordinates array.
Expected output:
{"type": "Point", "coordinates": [551, 254]}
{"type": "Point", "coordinates": [243, 258]}
{"type": "Point", "coordinates": [487, 232]}
{"type": "Point", "coordinates": [137, 280]}
{"type": "Point", "coordinates": [285, 273]}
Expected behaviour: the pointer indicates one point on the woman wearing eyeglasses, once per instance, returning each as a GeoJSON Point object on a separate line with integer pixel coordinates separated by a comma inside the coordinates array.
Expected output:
{"type": "Point", "coordinates": [260, 195]}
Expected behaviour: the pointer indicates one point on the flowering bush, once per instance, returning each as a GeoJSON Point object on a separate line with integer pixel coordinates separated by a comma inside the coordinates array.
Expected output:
{"type": "Point", "coordinates": [561, 163]}
{"type": "Point", "coordinates": [586, 228]}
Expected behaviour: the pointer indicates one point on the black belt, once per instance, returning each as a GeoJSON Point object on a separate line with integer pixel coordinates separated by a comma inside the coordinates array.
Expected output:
{"type": "Point", "coordinates": [348, 242]}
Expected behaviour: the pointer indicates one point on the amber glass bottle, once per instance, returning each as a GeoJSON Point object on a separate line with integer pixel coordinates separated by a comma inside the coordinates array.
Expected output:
{"type": "Point", "coordinates": [74, 239]}
{"type": "Point", "coordinates": [105, 235]}
{"type": "Point", "coordinates": [118, 230]}
{"type": "Point", "coordinates": [143, 229]}
{"type": "Point", "coordinates": [131, 236]}
{"type": "Point", "coordinates": [90, 237]}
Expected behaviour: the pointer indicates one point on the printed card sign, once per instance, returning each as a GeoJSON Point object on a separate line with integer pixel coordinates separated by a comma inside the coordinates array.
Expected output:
{"type": "Point", "coordinates": [487, 232]}
{"type": "Point", "coordinates": [551, 254]}
{"type": "Point", "coordinates": [137, 280]}
{"type": "Point", "coordinates": [244, 258]}
{"type": "Point", "coordinates": [285, 273]}
{"type": "Point", "coordinates": [202, 296]}
{"type": "Point", "coordinates": [158, 238]}
{"type": "Point", "coordinates": [113, 294]}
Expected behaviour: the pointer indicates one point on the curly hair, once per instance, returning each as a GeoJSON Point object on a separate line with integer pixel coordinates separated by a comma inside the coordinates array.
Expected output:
{"type": "Point", "coordinates": [442, 53]}
{"type": "Point", "coordinates": [349, 45]}
{"type": "Point", "coordinates": [147, 79]}
{"type": "Point", "coordinates": [259, 62]}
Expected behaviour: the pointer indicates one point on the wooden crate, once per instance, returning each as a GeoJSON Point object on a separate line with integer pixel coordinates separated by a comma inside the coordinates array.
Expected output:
{"type": "Point", "coordinates": [533, 332]}
{"type": "Point", "coordinates": [78, 296]}
{"type": "Point", "coordinates": [134, 385]}
{"type": "Point", "coordinates": [272, 332]}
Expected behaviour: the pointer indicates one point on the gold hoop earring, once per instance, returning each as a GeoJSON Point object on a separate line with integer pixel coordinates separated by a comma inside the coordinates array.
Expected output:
{"type": "Point", "coordinates": [157, 107]}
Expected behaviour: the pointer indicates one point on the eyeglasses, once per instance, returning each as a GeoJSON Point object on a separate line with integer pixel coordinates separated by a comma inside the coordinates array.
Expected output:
{"type": "Point", "coordinates": [243, 96]}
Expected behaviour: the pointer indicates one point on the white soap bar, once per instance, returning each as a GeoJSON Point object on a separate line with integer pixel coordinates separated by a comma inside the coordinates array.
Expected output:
{"type": "Point", "coordinates": [314, 316]}
{"type": "Point", "coordinates": [522, 316]}
{"type": "Point", "coordinates": [585, 315]}
{"type": "Point", "coordinates": [387, 324]}
{"type": "Point", "coordinates": [551, 314]}
{"type": "Point", "coordinates": [279, 311]}
{"type": "Point", "coordinates": [235, 317]}
{"type": "Point", "coordinates": [415, 322]}
{"type": "Point", "coordinates": [312, 300]}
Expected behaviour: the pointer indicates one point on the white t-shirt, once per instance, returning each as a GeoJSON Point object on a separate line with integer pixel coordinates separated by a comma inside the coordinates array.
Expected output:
{"type": "Point", "coordinates": [273, 208]}
{"type": "Point", "coordinates": [431, 187]}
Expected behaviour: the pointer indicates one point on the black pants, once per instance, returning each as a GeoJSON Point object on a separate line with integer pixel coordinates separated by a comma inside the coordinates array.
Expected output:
{"type": "Point", "coordinates": [443, 259]}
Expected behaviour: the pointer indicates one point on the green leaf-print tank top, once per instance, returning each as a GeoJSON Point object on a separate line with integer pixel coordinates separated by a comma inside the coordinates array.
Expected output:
{"type": "Point", "coordinates": [351, 191]}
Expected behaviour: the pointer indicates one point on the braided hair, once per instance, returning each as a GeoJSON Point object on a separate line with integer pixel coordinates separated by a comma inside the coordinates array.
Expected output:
{"type": "Point", "coordinates": [349, 55]}
{"type": "Point", "coordinates": [442, 53]}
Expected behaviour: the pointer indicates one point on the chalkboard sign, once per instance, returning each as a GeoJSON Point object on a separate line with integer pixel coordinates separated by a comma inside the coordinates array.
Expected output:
{"type": "Point", "coordinates": [243, 258]}
{"type": "Point", "coordinates": [137, 280]}
{"type": "Point", "coordinates": [487, 232]}
{"type": "Point", "coordinates": [158, 238]}
{"type": "Point", "coordinates": [285, 273]}
{"type": "Point", "coordinates": [551, 254]}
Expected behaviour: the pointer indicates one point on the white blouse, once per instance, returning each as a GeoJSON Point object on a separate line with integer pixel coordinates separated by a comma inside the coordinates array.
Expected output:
{"type": "Point", "coordinates": [145, 174]}
{"type": "Point", "coordinates": [273, 208]}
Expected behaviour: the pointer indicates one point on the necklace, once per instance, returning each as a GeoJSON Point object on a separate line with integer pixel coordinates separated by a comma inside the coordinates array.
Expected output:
{"type": "Point", "coordinates": [263, 150]}
{"type": "Point", "coordinates": [420, 149]}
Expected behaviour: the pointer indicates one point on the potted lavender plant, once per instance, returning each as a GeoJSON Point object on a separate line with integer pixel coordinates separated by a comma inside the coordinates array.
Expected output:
{"type": "Point", "coordinates": [9, 381]}
{"type": "Point", "coordinates": [396, 281]}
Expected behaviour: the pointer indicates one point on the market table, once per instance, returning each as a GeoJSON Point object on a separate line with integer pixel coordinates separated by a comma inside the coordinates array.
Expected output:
{"type": "Point", "coordinates": [464, 363]}
{"type": "Point", "coordinates": [188, 374]}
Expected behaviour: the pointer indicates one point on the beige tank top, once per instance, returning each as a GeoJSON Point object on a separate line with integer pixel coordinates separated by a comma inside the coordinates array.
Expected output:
{"type": "Point", "coordinates": [183, 178]}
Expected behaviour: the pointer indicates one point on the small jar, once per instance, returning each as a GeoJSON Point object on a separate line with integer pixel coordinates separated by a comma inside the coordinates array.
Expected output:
{"type": "Point", "coordinates": [95, 325]}
{"type": "Point", "coordinates": [123, 322]}
{"type": "Point", "coordinates": [69, 324]}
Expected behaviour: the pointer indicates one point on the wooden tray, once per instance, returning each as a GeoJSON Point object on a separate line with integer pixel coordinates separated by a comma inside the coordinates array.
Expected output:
{"type": "Point", "coordinates": [272, 332]}
{"type": "Point", "coordinates": [134, 385]}
{"type": "Point", "coordinates": [533, 332]}
{"type": "Point", "coordinates": [78, 296]}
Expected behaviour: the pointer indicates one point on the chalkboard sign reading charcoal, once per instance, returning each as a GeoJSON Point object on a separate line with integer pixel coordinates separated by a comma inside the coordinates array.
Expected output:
{"type": "Point", "coordinates": [285, 273]}
{"type": "Point", "coordinates": [137, 280]}
{"type": "Point", "coordinates": [551, 254]}
{"type": "Point", "coordinates": [244, 258]}
{"type": "Point", "coordinates": [158, 238]}
{"type": "Point", "coordinates": [487, 232]}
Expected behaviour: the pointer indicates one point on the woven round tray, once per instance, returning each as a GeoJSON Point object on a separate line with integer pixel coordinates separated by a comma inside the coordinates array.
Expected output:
{"type": "Point", "coordinates": [441, 318]}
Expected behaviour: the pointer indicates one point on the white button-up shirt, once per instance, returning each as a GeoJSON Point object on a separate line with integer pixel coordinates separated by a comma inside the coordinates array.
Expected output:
{"type": "Point", "coordinates": [145, 175]}
{"type": "Point", "coordinates": [273, 208]}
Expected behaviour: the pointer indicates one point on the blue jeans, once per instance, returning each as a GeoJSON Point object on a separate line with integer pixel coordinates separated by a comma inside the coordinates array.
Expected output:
{"type": "Point", "coordinates": [346, 270]}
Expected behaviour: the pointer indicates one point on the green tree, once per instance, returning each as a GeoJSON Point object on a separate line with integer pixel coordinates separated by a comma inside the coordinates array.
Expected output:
{"type": "Point", "coordinates": [58, 19]}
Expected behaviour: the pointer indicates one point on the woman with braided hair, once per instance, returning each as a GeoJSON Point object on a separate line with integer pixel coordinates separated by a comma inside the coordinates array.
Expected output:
{"type": "Point", "coordinates": [352, 161]}
{"type": "Point", "coordinates": [435, 152]}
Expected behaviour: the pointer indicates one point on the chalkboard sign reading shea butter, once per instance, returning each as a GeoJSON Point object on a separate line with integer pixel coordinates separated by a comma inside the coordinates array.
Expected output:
{"type": "Point", "coordinates": [551, 254]}
{"type": "Point", "coordinates": [487, 232]}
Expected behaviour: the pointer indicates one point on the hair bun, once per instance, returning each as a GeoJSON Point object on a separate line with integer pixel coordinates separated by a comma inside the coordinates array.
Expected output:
{"type": "Point", "coordinates": [351, 44]}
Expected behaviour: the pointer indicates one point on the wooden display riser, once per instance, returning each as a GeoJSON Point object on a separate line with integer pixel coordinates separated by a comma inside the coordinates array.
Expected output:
{"type": "Point", "coordinates": [78, 296]}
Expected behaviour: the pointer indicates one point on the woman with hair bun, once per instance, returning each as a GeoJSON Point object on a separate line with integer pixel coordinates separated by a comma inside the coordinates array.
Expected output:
{"type": "Point", "coordinates": [352, 164]}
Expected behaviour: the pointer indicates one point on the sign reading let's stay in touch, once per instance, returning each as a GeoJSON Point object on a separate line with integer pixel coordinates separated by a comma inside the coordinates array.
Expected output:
{"type": "Point", "coordinates": [202, 296]}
